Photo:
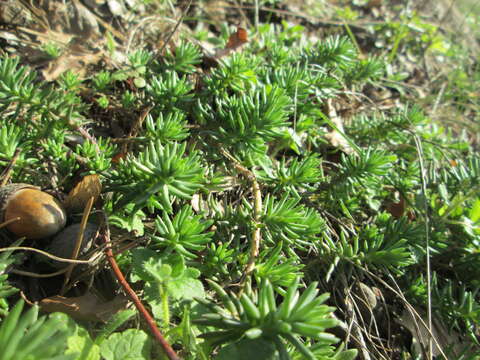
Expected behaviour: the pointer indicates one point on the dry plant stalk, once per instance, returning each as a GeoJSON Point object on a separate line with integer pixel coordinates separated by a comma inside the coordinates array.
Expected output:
{"type": "Point", "coordinates": [257, 211]}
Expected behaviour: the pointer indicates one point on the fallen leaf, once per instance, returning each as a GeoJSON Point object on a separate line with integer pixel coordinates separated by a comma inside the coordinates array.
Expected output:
{"type": "Point", "coordinates": [237, 39]}
{"type": "Point", "coordinates": [118, 156]}
{"type": "Point", "coordinates": [75, 58]}
{"type": "Point", "coordinates": [396, 209]}
{"type": "Point", "coordinates": [234, 43]}
{"type": "Point", "coordinates": [78, 197]}
{"type": "Point", "coordinates": [445, 339]}
{"type": "Point", "coordinates": [87, 307]}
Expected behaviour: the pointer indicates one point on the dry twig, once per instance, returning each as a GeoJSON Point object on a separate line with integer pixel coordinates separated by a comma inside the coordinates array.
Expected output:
{"type": "Point", "coordinates": [257, 211]}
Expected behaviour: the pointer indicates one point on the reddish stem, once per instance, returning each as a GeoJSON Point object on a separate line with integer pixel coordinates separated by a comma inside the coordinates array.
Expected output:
{"type": "Point", "coordinates": [138, 304]}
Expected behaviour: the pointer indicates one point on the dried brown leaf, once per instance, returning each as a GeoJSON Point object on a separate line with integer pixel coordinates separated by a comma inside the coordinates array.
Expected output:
{"type": "Point", "coordinates": [235, 43]}
{"type": "Point", "coordinates": [87, 307]}
{"type": "Point", "coordinates": [444, 338]}
{"type": "Point", "coordinates": [76, 58]}
{"type": "Point", "coordinates": [397, 209]}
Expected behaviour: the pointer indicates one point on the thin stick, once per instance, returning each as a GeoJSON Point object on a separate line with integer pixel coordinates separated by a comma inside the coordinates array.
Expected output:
{"type": "Point", "coordinates": [78, 243]}
{"type": "Point", "coordinates": [423, 176]}
{"type": "Point", "coordinates": [9, 169]}
{"type": "Point", "coordinates": [138, 304]}
{"type": "Point", "coordinates": [176, 27]}
{"type": "Point", "coordinates": [88, 137]}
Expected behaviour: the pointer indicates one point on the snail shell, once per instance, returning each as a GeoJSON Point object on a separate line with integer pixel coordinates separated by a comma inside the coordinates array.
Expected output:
{"type": "Point", "coordinates": [40, 214]}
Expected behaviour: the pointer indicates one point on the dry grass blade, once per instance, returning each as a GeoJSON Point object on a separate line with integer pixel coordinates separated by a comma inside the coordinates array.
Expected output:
{"type": "Point", "coordinates": [44, 253]}
{"type": "Point", "coordinates": [37, 275]}
{"type": "Point", "coordinates": [78, 243]}
{"type": "Point", "coordinates": [423, 176]}
{"type": "Point", "coordinates": [6, 223]}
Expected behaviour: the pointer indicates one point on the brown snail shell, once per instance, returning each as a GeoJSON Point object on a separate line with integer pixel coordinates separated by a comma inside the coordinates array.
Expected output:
{"type": "Point", "coordinates": [40, 214]}
{"type": "Point", "coordinates": [64, 242]}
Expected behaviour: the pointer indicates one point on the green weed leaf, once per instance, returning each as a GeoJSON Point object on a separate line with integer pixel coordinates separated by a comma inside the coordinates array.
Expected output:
{"type": "Point", "coordinates": [131, 344]}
